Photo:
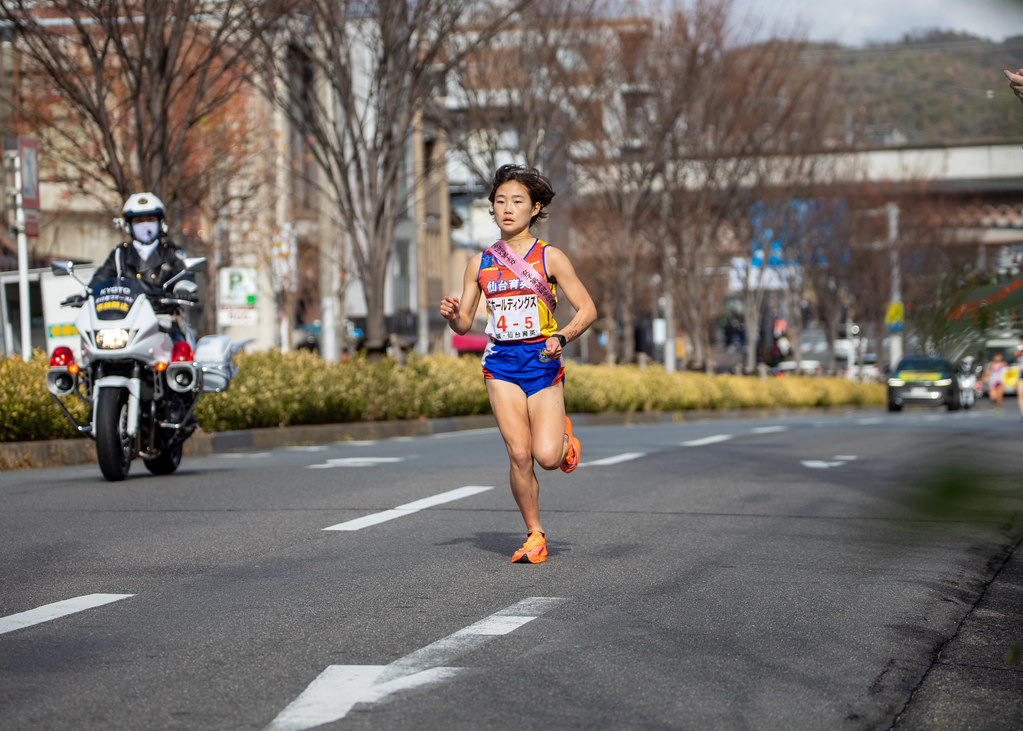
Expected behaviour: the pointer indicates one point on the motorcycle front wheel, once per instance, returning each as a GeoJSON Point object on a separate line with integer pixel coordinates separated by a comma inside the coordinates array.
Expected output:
{"type": "Point", "coordinates": [114, 447]}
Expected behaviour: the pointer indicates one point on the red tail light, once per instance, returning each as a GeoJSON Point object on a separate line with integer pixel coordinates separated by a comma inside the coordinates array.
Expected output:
{"type": "Point", "coordinates": [62, 356]}
{"type": "Point", "coordinates": [181, 351]}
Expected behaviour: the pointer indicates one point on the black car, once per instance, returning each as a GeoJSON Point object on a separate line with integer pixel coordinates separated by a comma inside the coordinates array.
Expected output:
{"type": "Point", "coordinates": [922, 379]}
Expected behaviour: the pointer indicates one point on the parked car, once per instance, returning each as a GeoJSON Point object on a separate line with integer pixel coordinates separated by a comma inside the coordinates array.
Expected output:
{"type": "Point", "coordinates": [922, 379]}
{"type": "Point", "coordinates": [805, 367]}
{"type": "Point", "coordinates": [866, 370]}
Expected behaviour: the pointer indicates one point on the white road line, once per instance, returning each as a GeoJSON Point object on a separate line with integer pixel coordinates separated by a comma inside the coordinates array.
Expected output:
{"type": "Point", "coordinates": [769, 429]}
{"type": "Point", "coordinates": [307, 448]}
{"type": "Point", "coordinates": [56, 610]}
{"type": "Point", "coordinates": [353, 462]}
{"type": "Point", "coordinates": [618, 458]}
{"type": "Point", "coordinates": [714, 439]}
{"type": "Point", "coordinates": [339, 688]}
{"type": "Point", "coordinates": [837, 461]}
{"type": "Point", "coordinates": [409, 508]}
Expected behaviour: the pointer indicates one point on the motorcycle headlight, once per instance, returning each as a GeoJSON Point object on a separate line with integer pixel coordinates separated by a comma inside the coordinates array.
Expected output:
{"type": "Point", "coordinates": [112, 338]}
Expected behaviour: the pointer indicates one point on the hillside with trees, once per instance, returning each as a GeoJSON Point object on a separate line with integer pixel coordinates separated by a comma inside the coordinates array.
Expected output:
{"type": "Point", "coordinates": [933, 87]}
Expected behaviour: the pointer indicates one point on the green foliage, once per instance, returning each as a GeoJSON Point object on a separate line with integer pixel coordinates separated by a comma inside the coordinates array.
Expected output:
{"type": "Point", "coordinates": [284, 389]}
{"type": "Point", "coordinates": [596, 388]}
{"type": "Point", "coordinates": [275, 389]}
{"type": "Point", "coordinates": [28, 409]}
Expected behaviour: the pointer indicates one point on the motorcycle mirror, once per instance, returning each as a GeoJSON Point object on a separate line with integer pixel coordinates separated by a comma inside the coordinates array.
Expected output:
{"type": "Point", "coordinates": [66, 269]}
{"type": "Point", "coordinates": [191, 264]}
{"type": "Point", "coordinates": [62, 268]}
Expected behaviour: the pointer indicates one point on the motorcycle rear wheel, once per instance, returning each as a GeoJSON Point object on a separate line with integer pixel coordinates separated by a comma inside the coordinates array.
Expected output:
{"type": "Point", "coordinates": [167, 460]}
{"type": "Point", "coordinates": [114, 447]}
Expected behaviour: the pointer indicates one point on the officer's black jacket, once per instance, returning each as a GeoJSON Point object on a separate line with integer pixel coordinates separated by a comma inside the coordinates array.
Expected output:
{"type": "Point", "coordinates": [164, 262]}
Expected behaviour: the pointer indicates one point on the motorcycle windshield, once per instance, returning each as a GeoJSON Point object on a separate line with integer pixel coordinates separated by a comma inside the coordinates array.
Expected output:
{"type": "Point", "coordinates": [114, 297]}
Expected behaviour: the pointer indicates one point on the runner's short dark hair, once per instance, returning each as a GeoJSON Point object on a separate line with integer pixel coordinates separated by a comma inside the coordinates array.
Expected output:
{"type": "Point", "coordinates": [540, 189]}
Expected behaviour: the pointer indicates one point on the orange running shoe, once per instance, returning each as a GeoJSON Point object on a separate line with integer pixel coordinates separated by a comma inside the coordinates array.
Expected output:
{"type": "Point", "coordinates": [574, 449]}
{"type": "Point", "coordinates": [533, 550]}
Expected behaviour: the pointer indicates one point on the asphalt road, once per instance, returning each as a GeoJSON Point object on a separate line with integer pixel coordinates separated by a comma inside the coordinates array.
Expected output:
{"type": "Point", "coordinates": [792, 573]}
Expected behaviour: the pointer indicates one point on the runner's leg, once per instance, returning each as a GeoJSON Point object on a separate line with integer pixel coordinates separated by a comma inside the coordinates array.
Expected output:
{"type": "Point", "coordinates": [510, 407]}
{"type": "Point", "coordinates": [547, 423]}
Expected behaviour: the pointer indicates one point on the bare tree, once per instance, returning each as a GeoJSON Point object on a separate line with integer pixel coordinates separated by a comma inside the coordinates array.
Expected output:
{"type": "Point", "coordinates": [623, 134]}
{"type": "Point", "coordinates": [369, 69]}
{"type": "Point", "coordinates": [740, 137]}
{"type": "Point", "coordinates": [683, 141]}
{"type": "Point", "coordinates": [937, 274]}
{"type": "Point", "coordinates": [134, 80]}
{"type": "Point", "coordinates": [517, 94]}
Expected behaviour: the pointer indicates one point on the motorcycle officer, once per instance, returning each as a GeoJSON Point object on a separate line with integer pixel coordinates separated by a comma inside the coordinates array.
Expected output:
{"type": "Point", "coordinates": [148, 257]}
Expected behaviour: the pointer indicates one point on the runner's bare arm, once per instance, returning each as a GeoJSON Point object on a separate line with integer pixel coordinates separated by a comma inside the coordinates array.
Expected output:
{"type": "Point", "coordinates": [561, 270]}
{"type": "Point", "coordinates": [460, 313]}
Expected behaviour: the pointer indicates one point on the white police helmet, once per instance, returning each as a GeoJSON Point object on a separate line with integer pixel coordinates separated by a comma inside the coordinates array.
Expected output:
{"type": "Point", "coordinates": [143, 204]}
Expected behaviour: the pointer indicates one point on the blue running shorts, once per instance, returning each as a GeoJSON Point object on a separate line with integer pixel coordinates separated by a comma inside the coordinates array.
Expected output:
{"type": "Point", "coordinates": [519, 362]}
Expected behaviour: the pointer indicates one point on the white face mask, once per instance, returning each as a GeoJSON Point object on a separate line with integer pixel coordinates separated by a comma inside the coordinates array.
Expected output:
{"type": "Point", "coordinates": [145, 231]}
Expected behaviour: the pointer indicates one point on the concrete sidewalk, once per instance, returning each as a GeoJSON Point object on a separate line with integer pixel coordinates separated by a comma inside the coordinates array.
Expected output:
{"type": "Point", "coordinates": [976, 680]}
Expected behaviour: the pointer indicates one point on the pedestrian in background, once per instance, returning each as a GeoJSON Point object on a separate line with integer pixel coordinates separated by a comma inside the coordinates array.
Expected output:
{"type": "Point", "coordinates": [995, 376]}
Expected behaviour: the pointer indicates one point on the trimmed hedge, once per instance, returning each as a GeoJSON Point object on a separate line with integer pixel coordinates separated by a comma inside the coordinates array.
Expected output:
{"type": "Point", "coordinates": [27, 411]}
{"type": "Point", "coordinates": [298, 388]}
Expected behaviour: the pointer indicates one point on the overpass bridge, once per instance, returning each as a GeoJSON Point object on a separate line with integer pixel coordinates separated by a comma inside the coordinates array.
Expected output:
{"type": "Point", "coordinates": [982, 184]}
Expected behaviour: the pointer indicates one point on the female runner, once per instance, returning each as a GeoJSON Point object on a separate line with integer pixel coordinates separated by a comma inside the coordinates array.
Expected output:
{"type": "Point", "coordinates": [522, 363]}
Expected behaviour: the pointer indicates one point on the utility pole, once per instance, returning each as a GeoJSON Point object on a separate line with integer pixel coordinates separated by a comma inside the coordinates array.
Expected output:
{"type": "Point", "coordinates": [27, 179]}
{"type": "Point", "coordinates": [670, 359]}
{"type": "Point", "coordinates": [895, 337]}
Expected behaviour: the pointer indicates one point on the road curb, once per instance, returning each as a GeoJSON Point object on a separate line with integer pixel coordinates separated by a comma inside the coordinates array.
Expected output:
{"type": "Point", "coordinates": [63, 452]}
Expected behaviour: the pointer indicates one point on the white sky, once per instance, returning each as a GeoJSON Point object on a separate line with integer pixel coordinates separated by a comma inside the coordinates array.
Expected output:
{"type": "Point", "coordinates": [856, 22]}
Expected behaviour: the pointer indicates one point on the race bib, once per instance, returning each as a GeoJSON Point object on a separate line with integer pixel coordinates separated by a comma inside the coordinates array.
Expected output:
{"type": "Point", "coordinates": [513, 318]}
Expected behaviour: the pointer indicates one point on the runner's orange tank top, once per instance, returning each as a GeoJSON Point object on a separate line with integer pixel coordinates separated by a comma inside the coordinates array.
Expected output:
{"type": "Point", "coordinates": [514, 312]}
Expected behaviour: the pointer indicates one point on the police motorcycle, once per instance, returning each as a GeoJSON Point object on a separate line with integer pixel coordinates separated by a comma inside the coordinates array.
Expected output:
{"type": "Point", "coordinates": [140, 369]}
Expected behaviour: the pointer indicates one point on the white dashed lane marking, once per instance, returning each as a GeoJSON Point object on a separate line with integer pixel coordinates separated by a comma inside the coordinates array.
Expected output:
{"type": "Point", "coordinates": [354, 462]}
{"type": "Point", "coordinates": [339, 688]}
{"type": "Point", "coordinates": [820, 464]}
{"type": "Point", "coordinates": [56, 610]}
{"type": "Point", "coordinates": [713, 439]}
{"type": "Point", "coordinates": [769, 429]}
{"type": "Point", "coordinates": [409, 508]}
{"type": "Point", "coordinates": [617, 459]}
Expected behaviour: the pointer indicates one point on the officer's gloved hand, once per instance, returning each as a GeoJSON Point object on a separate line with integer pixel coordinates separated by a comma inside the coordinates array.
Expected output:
{"type": "Point", "coordinates": [186, 290]}
{"type": "Point", "coordinates": [75, 300]}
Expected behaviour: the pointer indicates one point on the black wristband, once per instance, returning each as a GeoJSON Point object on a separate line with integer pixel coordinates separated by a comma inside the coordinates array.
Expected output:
{"type": "Point", "coordinates": [561, 338]}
